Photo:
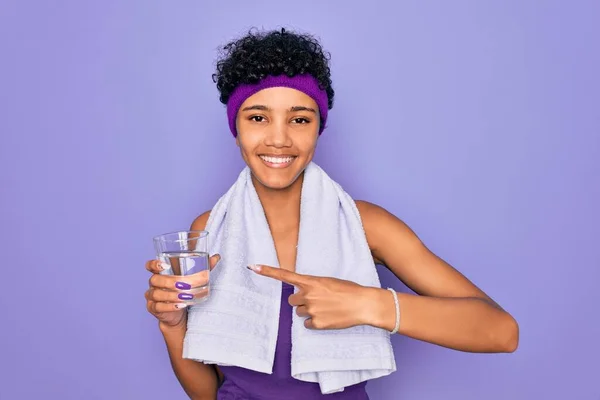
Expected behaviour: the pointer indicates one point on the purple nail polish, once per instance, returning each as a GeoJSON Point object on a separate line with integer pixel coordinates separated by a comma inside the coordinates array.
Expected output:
{"type": "Point", "coordinates": [185, 296]}
{"type": "Point", "coordinates": [183, 286]}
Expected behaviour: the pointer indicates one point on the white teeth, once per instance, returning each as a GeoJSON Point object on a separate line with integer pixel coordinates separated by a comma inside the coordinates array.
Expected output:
{"type": "Point", "coordinates": [277, 160]}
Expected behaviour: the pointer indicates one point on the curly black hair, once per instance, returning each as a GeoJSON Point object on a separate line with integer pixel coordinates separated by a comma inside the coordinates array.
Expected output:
{"type": "Point", "coordinates": [256, 55]}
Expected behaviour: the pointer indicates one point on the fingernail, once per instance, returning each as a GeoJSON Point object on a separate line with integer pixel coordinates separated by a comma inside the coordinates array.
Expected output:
{"type": "Point", "coordinates": [254, 267]}
{"type": "Point", "coordinates": [185, 296]}
{"type": "Point", "coordinates": [180, 305]}
{"type": "Point", "coordinates": [183, 286]}
{"type": "Point", "coordinates": [163, 265]}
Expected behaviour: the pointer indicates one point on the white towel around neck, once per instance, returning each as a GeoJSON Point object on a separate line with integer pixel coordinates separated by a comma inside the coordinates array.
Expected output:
{"type": "Point", "coordinates": [238, 324]}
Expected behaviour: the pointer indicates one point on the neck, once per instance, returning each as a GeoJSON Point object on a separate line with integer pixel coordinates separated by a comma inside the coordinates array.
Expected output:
{"type": "Point", "coordinates": [281, 206]}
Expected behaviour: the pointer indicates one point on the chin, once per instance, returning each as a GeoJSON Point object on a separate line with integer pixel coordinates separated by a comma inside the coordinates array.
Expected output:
{"type": "Point", "coordinates": [276, 185]}
{"type": "Point", "coordinates": [277, 177]}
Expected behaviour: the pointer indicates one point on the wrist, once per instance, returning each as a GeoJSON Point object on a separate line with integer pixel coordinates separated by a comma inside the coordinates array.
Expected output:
{"type": "Point", "coordinates": [380, 311]}
{"type": "Point", "coordinates": [169, 330]}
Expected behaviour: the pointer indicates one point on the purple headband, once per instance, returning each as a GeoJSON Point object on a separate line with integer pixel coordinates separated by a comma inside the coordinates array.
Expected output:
{"type": "Point", "coordinates": [304, 83]}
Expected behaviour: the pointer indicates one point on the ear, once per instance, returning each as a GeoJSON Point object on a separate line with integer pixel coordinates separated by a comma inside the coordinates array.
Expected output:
{"type": "Point", "coordinates": [237, 140]}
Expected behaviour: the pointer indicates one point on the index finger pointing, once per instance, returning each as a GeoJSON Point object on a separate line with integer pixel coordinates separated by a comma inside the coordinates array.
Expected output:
{"type": "Point", "coordinates": [280, 274]}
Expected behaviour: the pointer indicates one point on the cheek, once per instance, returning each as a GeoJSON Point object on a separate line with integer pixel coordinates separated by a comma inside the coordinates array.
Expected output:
{"type": "Point", "coordinates": [307, 145]}
{"type": "Point", "coordinates": [249, 136]}
{"type": "Point", "coordinates": [247, 143]}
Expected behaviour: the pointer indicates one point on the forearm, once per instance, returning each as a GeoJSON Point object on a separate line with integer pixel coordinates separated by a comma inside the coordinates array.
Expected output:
{"type": "Point", "coordinates": [467, 324]}
{"type": "Point", "coordinates": [198, 380]}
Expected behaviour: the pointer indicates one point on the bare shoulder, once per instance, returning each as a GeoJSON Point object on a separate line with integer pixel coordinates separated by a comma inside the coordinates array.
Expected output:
{"type": "Point", "coordinates": [385, 230]}
{"type": "Point", "coordinates": [199, 223]}
{"type": "Point", "coordinates": [370, 210]}
{"type": "Point", "coordinates": [377, 222]}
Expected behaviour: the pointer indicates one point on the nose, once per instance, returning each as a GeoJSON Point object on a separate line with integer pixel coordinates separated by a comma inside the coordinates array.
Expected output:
{"type": "Point", "coordinates": [278, 135]}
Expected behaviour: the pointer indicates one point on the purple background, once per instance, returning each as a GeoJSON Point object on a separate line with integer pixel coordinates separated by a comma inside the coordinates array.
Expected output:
{"type": "Point", "coordinates": [477, 123]}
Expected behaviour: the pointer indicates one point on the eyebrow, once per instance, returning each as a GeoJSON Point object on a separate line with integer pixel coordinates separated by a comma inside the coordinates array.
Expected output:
{"type": "Point", "coordinates": [261, 107]}
{"type": "Point", "coordinates": [303, 108]}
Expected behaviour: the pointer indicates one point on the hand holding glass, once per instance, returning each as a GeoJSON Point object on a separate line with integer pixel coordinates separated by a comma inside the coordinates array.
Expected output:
{"type": "Point", "coordinates": [186, 253]}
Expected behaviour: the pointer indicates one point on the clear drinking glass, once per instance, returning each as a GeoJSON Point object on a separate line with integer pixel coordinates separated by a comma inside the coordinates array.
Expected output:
{"type": "Point", "coordinates": [186, 253]}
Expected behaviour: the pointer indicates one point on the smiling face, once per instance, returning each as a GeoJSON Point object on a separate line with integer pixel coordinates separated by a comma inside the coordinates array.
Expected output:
{"type": "Point", "coordinates": [277, 135]}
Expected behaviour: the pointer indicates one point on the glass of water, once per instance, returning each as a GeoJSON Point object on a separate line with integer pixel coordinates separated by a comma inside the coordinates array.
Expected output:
{"type": "Point", "coordinates": [186, 253]}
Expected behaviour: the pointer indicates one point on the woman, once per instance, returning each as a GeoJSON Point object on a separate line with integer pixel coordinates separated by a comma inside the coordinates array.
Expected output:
{"type": "Point", "coordinates": [277, 129]}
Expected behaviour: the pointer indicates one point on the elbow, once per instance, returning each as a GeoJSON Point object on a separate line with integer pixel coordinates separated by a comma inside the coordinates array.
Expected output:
{"type": "Point", "coordinates": [507, 335]}
{"type": "Point", "coordinates": [513, 342]}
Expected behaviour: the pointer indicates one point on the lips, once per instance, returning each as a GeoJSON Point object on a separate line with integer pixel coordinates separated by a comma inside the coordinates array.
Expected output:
{"type": "Point", "coordinates": [277, 161]}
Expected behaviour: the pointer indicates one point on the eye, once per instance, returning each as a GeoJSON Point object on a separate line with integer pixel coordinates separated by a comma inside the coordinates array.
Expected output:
{"type": "Point", "coordinates": [257, 118]}
{"type": "Point", "coordinates": [300, 120]}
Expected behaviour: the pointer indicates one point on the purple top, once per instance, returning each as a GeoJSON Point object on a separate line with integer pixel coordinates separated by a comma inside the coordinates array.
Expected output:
{"type": "Point", "coordinates": [243, 384]}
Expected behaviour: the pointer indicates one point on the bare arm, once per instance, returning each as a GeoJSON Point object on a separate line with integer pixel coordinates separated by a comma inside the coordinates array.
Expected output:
{"type": "Point", "coordinates": [448, 309]}
{"type": "Point", "coordinates": [198, 380]}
